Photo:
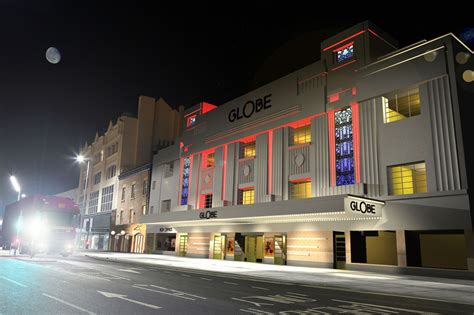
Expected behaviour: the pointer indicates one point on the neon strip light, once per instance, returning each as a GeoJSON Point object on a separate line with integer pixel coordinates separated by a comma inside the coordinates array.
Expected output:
{"type": "Point", "coordinates": [342, 47]}
{"type": "Point", "coordinates": [299, 180]}
{"type": "Point", "coordinates": [343, 65]}
{"type": "Point", "coordinates": [345, 39]}
{"type": "Point", "coordinates": [270, 156]}
{"type": "Point", "coordinates": [332, 148]}
{"type": "Point", "coordinates": [356, 140]}
{"type": "Point", "coordinates": [224, 171]}
{"type": "Point", "coordinates": [380, 37]}
{"type": "Point", "coordinates": [206, 107]}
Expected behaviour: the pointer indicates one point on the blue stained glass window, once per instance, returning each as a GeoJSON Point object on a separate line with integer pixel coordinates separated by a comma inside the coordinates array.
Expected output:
{"type": "Point", "coordinates": [185, 181]}
{"type": "Point", "coordinates": [345, 174]}
{"type": "Point", "coordinates": [345, 53]}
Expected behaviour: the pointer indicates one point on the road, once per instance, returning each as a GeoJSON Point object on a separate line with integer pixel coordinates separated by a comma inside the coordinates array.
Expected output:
{"type": "Point", "coordinates": [81, 285]}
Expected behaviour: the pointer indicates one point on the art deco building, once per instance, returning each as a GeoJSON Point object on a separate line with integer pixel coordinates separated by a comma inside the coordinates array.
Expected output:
{"type": "Point", "coordinates": [356, 161]}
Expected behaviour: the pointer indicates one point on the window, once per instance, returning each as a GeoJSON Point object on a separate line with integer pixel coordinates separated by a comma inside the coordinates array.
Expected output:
{"type": "Point", "coordinates": [166, 205]}
{"type": "Point", "coordinates": [207, 201]}
{"type": "Point", "coordinates": [124, 189]}
{"type": "Point", "coordinates": [345, 172]}
{"type": "Point", "coordinates": [247, 196]}
{"type": "Point", "coordinates": [408, 179]}
{"type": "Point", "coordinates": [302, 135]}
{"type": "Point", "coordinates": [145, 187]}
{"type": "Point", "coordinates": [112, 149]}
{"type": "Point", "coordinates": [169, 169]}
{"type": "Point", "coordinates": [152, 209]}
{"type": "Point", "coordinates": [131, 216]}
{"type": "Point", "coordinates": [144, 209]}
{"type": "Point", "coordinates": [111, 171]}
{"type": "Point", "coordinates": [93, 202]}
{"type": "Point", "coordinates": [132, 192]}
{"type": "Point", "coordinates": [345, 53]}
{"type": "Point", "coordinates": [97, 178]}
{"type": "Point", "coordinates": [153, 185]}
{"type": "Point", "coordinates": [300, 190]}
{"type": "Point", "coordinates": [185, 181]}
{"type": "Point", "coordinates": [210, 160]}
{"type": "Point", "coordinates": [97, 158]}
{"type": "Point", "coordinates": [121, 217]}
{"type": "Point", "coordinates": [401, 105]}
{"type": "Point", "coordinates": [249, 149]}
{"type": "Point", "coordinates": [107, 197]}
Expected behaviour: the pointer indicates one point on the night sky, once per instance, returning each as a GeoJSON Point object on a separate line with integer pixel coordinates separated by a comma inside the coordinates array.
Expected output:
{"type": "Point", "coordinates": [111, 55]}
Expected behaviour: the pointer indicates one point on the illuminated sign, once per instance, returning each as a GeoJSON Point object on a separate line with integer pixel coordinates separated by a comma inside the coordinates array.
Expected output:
{"type": "Point", "coordinates": [363, 207]}
{"type": "Point", "coordinates": [250, 108]}
{"type": "Point", "coordinates": [208, 215]}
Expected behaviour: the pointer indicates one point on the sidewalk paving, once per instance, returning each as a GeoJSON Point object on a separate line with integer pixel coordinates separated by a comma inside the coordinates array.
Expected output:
{"type": "Point", "coordinates": [431, 288]}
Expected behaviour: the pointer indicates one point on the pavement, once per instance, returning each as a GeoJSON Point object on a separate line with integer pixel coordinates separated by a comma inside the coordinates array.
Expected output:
{"type": "Point", "coordinates": [80, 284]}
{"type": "Point", "coordinates": [439, 289]}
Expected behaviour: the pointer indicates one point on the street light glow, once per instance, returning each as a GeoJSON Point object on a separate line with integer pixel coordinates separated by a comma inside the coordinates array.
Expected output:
{"type": "Point", "coordinates": [80, 158]}
{"type": "Point", "coordinates": [15, 184]}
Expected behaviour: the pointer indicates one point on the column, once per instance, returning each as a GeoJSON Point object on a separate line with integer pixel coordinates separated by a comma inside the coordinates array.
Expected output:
{"type": "Point", "coordinates": [401, 248]}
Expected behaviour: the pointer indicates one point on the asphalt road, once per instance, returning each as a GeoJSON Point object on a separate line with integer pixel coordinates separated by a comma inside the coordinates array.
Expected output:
{"type": "Point", "coordinates": [81, 285]}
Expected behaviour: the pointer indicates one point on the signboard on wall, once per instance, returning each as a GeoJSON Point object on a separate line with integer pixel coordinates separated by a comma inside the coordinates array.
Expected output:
{"type": "Point", "coordinates": [359, 206]}
{"type": "Point", "coordinates": [166, 229]}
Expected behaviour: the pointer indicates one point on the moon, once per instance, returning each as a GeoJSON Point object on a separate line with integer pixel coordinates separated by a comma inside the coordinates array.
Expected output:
{"type": "Point", "coordinates": [53, 55]}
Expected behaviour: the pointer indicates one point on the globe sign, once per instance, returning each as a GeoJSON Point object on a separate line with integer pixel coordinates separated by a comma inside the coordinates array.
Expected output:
{"type": "Point", "coordinates": [53, 55]}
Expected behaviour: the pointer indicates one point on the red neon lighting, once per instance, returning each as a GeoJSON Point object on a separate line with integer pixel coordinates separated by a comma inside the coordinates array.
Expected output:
{"type": "Point", "coordinates": [224, 171]}
{"type": "Point", "coordinates": [248, 139]}
{"type": "Point", "coordinates": [270, 156]}
{"type": "Point", "coordinates": [191, 120]}
{"type": "Point", "coordinates": [342, 41]}
{"type": "Point", "coordinates": [342, 47]}
{"type": "Point", "coordinates": [332, 148]}
{"type": "Point", "coordinates": [193, 112]}
{"type": "Point", "coordinates": [343, 65]}
{"type": "Point", "coordinates": [333, 97]}
{"type": "Point", "coordinates": [354, 90]}
{"type": "Point", "coordinates": [356, 139]}
{"type": "Point", "coordinates": [299, 180]}
{"type": "Point", "coordinates": [206, 107]}
{"type": "Point", "coordinates": [380, 37]}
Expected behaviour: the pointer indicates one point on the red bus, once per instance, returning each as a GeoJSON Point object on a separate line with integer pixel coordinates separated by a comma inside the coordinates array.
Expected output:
{"type": "Point", "coordinates": [40, 223]}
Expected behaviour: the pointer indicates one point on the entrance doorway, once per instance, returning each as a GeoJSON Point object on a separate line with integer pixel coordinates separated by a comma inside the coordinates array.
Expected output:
{"type": "Point", "coordinates": [254, 248]}
{"type": "Point", "coordinates": [339, 250]}
{"type": "Point", "coordinates": [280, 250]}
{"type": "Point", "coordinates": [219, 242]}
{"type": "Point", "coordinates": [138, 243]}
{"type": "Point", "coordinates": [183, 245]}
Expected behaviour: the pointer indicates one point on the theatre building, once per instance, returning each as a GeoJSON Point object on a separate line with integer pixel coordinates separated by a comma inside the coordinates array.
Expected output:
{"type": "Point", "coordinates": [356, 161]}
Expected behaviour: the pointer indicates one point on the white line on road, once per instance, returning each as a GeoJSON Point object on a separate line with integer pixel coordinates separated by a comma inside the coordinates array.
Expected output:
{"type": "Point", "coordinates": [207, 279]}
{"type": "Point", "coordinates": [129, 270]}
{"type": "Point", "coordinates": [387, 307]}
{"type": "Point", "coordinates": [13, 281]}
{"type": "Point", "coordinates": [124, 297]}
{"type": "Point", "coordinates": [185, 275]}
{"type": "Point", "coordinates": [68, 304]}
{"type": "Point", "coordinates": [260, 288]}
{"type": "Point", "coordinates": [114, 276]}
{"type": "Point", "coordinates": [293, 293]}
{"type": "Point", "coordinates": [233, 283]}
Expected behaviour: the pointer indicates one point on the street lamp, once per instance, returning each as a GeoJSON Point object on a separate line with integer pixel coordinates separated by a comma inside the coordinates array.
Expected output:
{"type": "Point", "coordinates": [81, 159]}
{"type": "Point", "coordinates": [16, 185]}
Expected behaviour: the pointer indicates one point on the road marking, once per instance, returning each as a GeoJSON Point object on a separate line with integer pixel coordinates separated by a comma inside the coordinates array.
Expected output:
{"type": "Point", "coordinates": [13, 281]}
{"type": "Point", "coordinates": [114, 276]}
{"type": "Point", "coordinates": [383, 306]}
{"type": "Point", "coordinates": [233, 283]}
{"type": "Point", "coordinates": [124, 297]}
{"type": "Point", "coordinates": [296, 294]}
{"type": "Point", "coordinates": [260, 288]}
{"type": "Point", "coordinates": [255, 311]}
{"type": "Point", "coordinates": [172, 292]}
{"type": "Point", "coordinates": [129, 270]}
{"type": "Point", "coordinates": [207, 279]}
{"type": "Point", "coordinates": [69, 304]}
{"type": "Point", "coordinates": [185, 275]}
{"type": "Point", "coordinates": [386, 294]}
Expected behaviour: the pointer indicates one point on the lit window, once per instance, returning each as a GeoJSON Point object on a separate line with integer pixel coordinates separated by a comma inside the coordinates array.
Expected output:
{"type": "Point", "coordinates": [302, 135]}
{"type": "Point", "coordinates": [408, 179]}
{"type": "Point", "coordinates": [207, 201]}
{"type": "Point", "coordinates": [191, 120]}
{"type": "Point", "coordinates": [300, 190]}
{"type": "Point", "coordinates": [345, 172]}
{"type": "Point", "coordinates": [401, 105]}
{"type": "Point", "coordinates": [249, 149]}
{"type": "Point", "coordinates": [185, 180]}
{"type": "Point", "coordinates": [248, 197]}
{"type": "Point", "coordinates": [210, 160]}
{"type": "Point", "coordinates": [144, 209]}
{"type": "Point", "coordinates": [345, 53]}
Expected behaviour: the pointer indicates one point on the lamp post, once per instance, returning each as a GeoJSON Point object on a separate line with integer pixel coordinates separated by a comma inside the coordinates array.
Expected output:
{"type": "Point", "coordinates": [81, 159]}
{"type": "Point", "coordinates": [16, 185]}
{"type": "Point", "coordinates": [19, 224]}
